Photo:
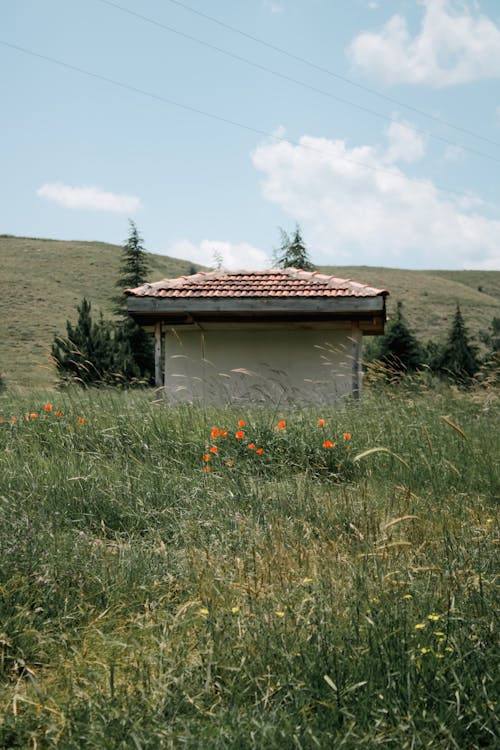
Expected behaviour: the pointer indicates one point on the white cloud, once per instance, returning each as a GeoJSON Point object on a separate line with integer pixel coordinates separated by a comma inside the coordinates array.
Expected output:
{"type": "Point", "coordinates": [454, 45]}
{"type": "Point", "coordinates": [405, 143]}
{"type": "Point", "coordinates": [351, 214]}
{"type": "Point", "coordinates": [88, 197]}
{"type": "Point", "coordinates": [235, 255]}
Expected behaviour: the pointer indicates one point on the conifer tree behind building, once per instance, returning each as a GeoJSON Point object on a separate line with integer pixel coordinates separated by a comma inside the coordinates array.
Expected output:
{"type": "Point", "coordinates": [292, 252]}
{"type": "Point", "coordinates": [458, 359]}
{"type": "Point", "coordinates": [398, 348]}
{"type": "Point", "coordinates": [134, 268]}
{"type": "Point", "coordinates": [136, 345]}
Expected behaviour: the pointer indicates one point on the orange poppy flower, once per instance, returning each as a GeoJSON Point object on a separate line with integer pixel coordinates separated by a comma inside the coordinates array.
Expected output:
{"type": "Point", "coordinates": [328, 444]}
{"type": "Point", "coordinates": [33, 415]}
{"type": "Point", "coordinates": [241, 422]}
{"type": "Point", "coordinates": [215, 433]}
{"type": "Point", "coordinates": [251, 446]}
{"type": "Point", "coordinates": [1, 420]}
{"type": "Point", "coordinates": [321, 422]}
{"type": "Point", "coordinates": [347, 435]}
{"type": "Point", "coordinates": [240, 435]}
{"type": "Point", "coordinates": [281, 425]}
{"type": "Point", "coordinates": [48, 407]}
{"type": "Point", "coordinates": [213, 449]}
{"type": "Point", "coordinates": [259, 451]}
{"type": "Point", "coordinates": [207, 457]}
{"type": "Point", "coordinates": [13, 420]}
{"type": "Point", "coordinates": [207, 468]}
{"type": "Point", "coordinates": [223, 433]}
{"type": "Point", "coordinates": [80, 420]}
{"type": "Point", "coordinates": [58, 413]}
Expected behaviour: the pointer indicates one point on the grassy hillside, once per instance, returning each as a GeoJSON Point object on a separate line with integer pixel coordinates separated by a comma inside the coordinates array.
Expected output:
{"type": "Point", "coordinates": [42, 281]}
{"type": "Point", "coordinates": [430, 297]}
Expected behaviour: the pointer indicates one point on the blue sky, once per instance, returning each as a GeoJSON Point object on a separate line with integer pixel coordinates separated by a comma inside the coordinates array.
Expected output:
{"type": "Point", "coordinates": [355, 149]}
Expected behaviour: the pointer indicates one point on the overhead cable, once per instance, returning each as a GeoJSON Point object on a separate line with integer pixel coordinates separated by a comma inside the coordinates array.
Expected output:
{"type": "Point", "coordinates": [332, 73]}
{"type": "Point", "coordinates": [290, 79]}
{"type": "Point", "coordinates": [219, 118]}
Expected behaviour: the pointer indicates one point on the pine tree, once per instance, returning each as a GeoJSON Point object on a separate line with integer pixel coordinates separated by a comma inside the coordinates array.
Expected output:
{"type": "Point", "coordinates": [292, 252]}
{"type": "Point", "coordinates": [459, 360]}
{"type": "Point", "coordinates": [134, 344]}
{"type": "Point", "coordinates": [490, 365]}
{"type": "Point", "coordinates": [491, 337]}
{"type": "Point", "coordinates": [87, 354]}
{"type": "Point", "coordinates": [104, 351]}
{"type": "Point", "coordinates": [134, 268]}
{"type": "Point", "coordinates": [398, 348]}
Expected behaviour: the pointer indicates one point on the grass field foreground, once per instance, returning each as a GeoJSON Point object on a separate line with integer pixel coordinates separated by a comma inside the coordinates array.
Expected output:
{"type": "Point", "coordinates": [248, 578]}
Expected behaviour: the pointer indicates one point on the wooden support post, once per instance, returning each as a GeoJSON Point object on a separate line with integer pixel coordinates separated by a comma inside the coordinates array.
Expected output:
{"type": "Point", "coordinates": [356, 362]}
{"type": "Point", "coordinates": [158, 379]}
{"type": "Point", "coordinates": [165, 363]}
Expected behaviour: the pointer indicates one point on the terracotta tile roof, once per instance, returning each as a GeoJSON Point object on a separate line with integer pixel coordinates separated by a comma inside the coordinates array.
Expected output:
{"type": "Point", "coordinates": [287, 282]}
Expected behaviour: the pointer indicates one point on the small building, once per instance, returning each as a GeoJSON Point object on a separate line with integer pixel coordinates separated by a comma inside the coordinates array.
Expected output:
{"type": "Point", "coordinates": [280, 336]}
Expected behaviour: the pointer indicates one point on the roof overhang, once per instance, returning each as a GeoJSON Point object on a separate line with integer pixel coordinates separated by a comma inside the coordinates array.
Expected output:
{"type": "Point", "coordinates": [307, 312]}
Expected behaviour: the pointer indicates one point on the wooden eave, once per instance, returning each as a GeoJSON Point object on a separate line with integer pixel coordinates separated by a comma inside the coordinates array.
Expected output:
{"type": "Point", "coordinates": [275, 312]}
{"type": "Point", "coordinates": [164, 307]}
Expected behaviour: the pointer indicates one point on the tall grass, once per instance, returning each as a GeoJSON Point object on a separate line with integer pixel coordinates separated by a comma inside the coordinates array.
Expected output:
{"type": "Point", "coordinates": [304, 597]}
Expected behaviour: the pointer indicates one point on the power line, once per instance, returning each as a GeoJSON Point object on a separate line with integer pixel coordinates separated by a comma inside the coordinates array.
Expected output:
{"type": "Point", "coordinates": [338, 76]}
{"type": "Point", "coordinates": [211, 115]}
{"type": "Point", "coordinates": [296, 81]}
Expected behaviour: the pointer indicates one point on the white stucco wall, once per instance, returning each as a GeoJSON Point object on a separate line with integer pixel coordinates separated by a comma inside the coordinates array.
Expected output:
{"type": "Point", "coordinates": [282, 366]}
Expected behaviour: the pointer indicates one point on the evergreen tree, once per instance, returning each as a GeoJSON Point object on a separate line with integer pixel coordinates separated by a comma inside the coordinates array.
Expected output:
{"type": "Point", "coordinates": [87, 354]}
{"type": "Point", "coordinates": [398, 348]}
{"type": "Point", "coordinates": [134, 345]}
{"type": "Point", "coordinates": [103, 351]}
{"type": "Point", "coordinates": [491, 363]}
{"type": "Point", "coordinates": [134, 268]}
{"type": "Point", "coordinates": [459, 360]}
{"type": "Point", "coordinates": [491, 337]}
{"type": "Point", "coordinates": [292, 252]}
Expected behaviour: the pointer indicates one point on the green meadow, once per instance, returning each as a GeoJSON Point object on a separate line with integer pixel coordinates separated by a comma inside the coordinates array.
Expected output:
{"type": "Point", "coordinates": [328, 582]}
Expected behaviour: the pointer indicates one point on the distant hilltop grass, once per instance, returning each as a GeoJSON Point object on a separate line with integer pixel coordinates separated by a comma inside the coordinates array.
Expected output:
{"type": "Point", "coordinates": [43, 280]}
